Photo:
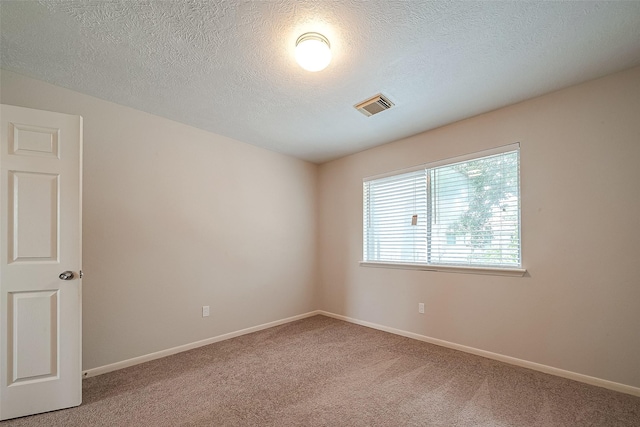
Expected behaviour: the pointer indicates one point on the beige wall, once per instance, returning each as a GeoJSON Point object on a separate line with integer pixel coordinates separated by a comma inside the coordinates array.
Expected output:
{"type": "Point", "coordinates": [176, 218]}
{"type": "Point", "coordinates": [578, 308]}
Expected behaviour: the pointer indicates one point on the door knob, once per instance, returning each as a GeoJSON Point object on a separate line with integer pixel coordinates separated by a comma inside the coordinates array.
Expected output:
{"type": "Point", "coordinates": [66, 275]}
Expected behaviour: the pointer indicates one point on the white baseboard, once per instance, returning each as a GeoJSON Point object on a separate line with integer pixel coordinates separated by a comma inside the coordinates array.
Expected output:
{"type": "Point", "coordinates": [611, 385]}
{"type": "Point", "coordinates": [168, 352]}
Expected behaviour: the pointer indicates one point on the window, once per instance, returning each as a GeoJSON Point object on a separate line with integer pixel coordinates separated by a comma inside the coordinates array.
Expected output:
{"type": "Point", "coordinates": [462, 213]}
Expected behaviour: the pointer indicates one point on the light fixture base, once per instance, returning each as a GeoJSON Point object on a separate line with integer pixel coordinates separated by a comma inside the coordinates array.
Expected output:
{"type": "Point", "coordinates": [313, 36]}
{"type": "Point", "coordinates": [313, 51]}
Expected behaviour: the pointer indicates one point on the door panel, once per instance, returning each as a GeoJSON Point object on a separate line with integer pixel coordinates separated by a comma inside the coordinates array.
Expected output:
{"type": "Point", "coordinates": [33, 205]}
{"type": "Point", "coordinates": [33, 336]}
{"type": "Point", "coordinates": [40, 238]}
{"type": "Point", "coordinates": [26, 140]}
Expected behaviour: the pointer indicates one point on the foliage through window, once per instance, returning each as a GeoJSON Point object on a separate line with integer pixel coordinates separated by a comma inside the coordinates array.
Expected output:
{"type": "Point", "coordinates": [461, 213]}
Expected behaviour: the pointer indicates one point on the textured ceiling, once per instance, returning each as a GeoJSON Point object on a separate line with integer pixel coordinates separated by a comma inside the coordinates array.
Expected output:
{"type": "Point", "coordinates": [228, 67]}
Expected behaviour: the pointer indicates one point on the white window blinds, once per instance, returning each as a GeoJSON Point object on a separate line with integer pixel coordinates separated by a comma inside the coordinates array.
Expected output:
{"type": "Point", "coordinates": [461, 213]}
{"type": "Point", "coordinates": [390, 205]}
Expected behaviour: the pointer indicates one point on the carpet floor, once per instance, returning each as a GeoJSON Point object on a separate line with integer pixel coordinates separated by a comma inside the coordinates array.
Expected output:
{"type": "Point", "coordinates": [324, 372]}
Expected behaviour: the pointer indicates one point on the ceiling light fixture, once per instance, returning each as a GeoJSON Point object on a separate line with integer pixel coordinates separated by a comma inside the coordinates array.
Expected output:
{"type": "Point", "coordinates": [313, 51]}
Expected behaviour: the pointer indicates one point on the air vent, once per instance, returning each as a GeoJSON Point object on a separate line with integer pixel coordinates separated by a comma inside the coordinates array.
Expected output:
{"type": "Point", "coordinates": [374, 105]}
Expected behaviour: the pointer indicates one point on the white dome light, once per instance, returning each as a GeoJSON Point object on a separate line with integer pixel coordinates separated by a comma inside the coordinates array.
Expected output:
{"type": "Point", "coordinates": [313, 51]}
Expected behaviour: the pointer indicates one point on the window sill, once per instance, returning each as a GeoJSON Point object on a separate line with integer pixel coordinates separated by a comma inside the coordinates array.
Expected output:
{"type": "Point", "coordinates": [491, 271]}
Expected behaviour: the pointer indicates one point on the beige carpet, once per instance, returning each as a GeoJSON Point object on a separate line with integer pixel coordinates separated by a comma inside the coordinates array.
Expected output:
{"type": "Point", "coordinates": [324, 372]}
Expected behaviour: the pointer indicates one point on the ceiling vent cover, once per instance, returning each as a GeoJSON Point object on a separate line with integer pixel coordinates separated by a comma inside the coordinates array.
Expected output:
{"type": "Point", "coordinates": [374, 105]}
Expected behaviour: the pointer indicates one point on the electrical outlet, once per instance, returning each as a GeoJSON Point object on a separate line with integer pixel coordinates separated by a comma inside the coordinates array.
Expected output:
{"type": "Point", "coordinates": [421, 308]}
{"type": "Point", "coordinates": [205, 311]}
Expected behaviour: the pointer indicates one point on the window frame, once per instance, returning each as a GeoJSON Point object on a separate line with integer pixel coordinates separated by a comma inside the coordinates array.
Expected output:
{"type": "Point", "coordinates": [518, 271]}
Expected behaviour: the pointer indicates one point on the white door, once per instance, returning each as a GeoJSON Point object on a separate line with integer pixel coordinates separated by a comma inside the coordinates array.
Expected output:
{"type": "Point", "coordinates": [40, 311]}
